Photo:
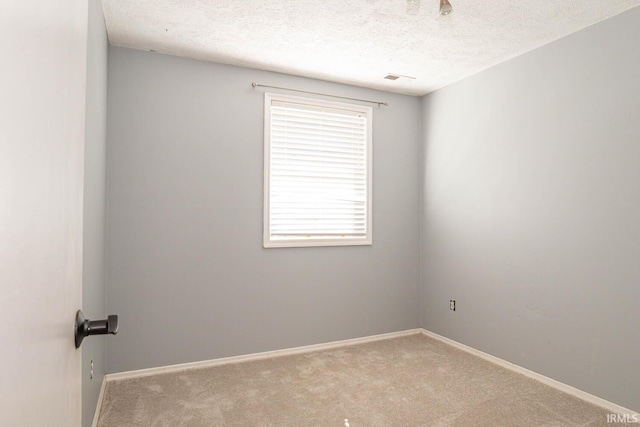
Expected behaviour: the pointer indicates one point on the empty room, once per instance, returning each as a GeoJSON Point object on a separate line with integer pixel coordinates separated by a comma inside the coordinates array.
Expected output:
{"type": "Point", "coordinates": [340, 213]}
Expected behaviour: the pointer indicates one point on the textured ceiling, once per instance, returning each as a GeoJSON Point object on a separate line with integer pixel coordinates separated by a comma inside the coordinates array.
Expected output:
{"type": "Point", "coordinates": [353, 41]}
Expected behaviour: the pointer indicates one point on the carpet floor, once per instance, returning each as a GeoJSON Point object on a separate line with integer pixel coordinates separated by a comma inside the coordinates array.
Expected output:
{"type": "Point", "coordinates": [407, 381]}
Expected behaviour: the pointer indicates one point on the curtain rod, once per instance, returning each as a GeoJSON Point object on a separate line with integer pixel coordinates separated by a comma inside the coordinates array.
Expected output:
{"type": "Point", "coordinates": [254, 84]}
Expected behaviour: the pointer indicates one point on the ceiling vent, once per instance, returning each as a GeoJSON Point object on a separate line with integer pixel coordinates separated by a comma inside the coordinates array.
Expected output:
{"type": "Point", "coordinates": [392, 76]}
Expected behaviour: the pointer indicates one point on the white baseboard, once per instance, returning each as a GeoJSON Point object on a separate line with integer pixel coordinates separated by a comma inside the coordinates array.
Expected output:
{"type": "Point", "coordinates": [96, 414]}
{"type": "Point", "coordinates": [565, 388]}
{"type": "Point", "coordinates": [256, 356]}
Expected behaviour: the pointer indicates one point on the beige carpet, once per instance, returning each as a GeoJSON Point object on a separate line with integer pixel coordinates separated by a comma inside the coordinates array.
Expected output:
{"type": "Point", "coordinates": [408, 381]}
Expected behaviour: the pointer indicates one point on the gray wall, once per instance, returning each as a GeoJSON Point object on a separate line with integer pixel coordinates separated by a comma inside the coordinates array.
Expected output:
{"type": "Point", "coordinates": [94, 256]}
{"type": "Point", "coordinates": [531, 210]}
{"type": "Point", "coordinates": [187, 273]}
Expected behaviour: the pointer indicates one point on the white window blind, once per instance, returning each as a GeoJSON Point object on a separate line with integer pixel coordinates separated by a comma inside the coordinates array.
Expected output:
{"type": "Point", "coordinates": [317, 172]}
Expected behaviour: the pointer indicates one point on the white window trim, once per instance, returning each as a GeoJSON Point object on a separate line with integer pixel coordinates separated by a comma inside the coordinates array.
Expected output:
{"type": "Point", "coordinates": [347, 241]}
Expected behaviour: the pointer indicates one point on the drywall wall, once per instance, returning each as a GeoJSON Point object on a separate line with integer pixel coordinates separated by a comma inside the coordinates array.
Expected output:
{"type": "Point", "coordinates": [187, 273]}
{"type": "Point", "coordinates": [531, 208]}
{"type": "Point", "coordinates": [94, 245]}
{"type": "Point", "coordinates": [42, 110]}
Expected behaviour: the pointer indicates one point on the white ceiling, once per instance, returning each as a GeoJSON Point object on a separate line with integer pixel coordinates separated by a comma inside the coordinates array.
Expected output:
{"type": "Point", "coordinates": [353, 41]}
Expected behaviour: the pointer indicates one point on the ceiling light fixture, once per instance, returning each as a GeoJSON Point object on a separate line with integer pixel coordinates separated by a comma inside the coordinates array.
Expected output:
{"type": "Point", "coordinates": [445, 7]}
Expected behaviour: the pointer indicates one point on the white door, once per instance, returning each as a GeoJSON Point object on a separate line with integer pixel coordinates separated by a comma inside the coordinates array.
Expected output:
{"type": "Point", "coordinates": [42, 101]}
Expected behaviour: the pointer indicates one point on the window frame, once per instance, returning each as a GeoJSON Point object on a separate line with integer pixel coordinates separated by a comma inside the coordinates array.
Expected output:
{"type": "Point", "coordinates": [268, 242]}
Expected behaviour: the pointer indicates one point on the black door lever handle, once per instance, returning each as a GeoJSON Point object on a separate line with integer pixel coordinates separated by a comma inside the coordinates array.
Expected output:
{"type": "Point", "coordinates": [85, 327]}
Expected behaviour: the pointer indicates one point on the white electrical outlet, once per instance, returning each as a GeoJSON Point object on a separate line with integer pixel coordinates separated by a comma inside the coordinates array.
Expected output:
{"type": "Point", "coordinates": [452, 305]}
{"type": "Point", "coordinates": [91, 371]}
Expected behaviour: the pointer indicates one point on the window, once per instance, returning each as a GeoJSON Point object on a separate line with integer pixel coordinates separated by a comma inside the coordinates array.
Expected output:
{"type": "Point", "coordinates": [317, 173]}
